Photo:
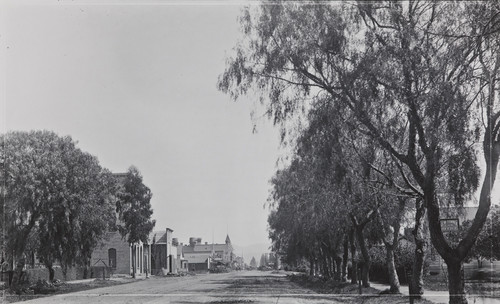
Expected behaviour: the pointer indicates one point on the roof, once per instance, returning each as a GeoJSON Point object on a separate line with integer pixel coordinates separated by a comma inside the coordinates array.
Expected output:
{"type": "Point", "coordinates": [228, 240]}
{"type": "Point", "coordinates": [158, 237]}
{"type": "Point", "coordinates": [195, 259]}
{"type": "Point", "coordinates": [462, 213]}
{"type": "Point", "coordinates": [205, 248]}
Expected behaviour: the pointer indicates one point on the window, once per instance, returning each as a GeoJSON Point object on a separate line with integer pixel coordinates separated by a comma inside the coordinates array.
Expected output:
{"type": "Point", "coordinates": [112, 258]}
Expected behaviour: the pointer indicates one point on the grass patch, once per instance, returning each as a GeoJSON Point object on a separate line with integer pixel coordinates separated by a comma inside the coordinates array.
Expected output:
{"type": "Point", "coordinates": [320, 285]}
{"type": "Point", "coordinates": [349, 293]}
{"type": "Point", "coordinates": [486, 287]}
{"type": "Point", "coordinates": [39, 290]}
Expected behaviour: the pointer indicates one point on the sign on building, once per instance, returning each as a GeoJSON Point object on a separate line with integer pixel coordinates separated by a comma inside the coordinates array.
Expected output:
{"type": "Point", "coordinates": [449, 224]}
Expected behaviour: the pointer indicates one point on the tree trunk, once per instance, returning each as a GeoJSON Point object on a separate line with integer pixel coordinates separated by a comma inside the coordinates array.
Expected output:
{"type": "Point", "coordinates": [354, 264]}
{"type": "Point", "coordinates": [18, 271]}
{"type": "Point", "coordinates": [85, 272]}
{"type": "Point", "coordinates": [32, 259]}
{"type": "Point", "coordinates": [324, 262]}
{"type": "Point", "coordinates": [420, 245]}
{"type": "Point", "coordinates": [345, 257]}
{"type": "Point", "coordinates": [391, 269]}
{"type": "Point", "coordinates": [456, 282]}
{"type": "Point", "coordinates": [365, 275]}
{"type": "Point", "coordinates": [333, 269]}
{"type": "Point", "coordinates": [52, 273]}
{"type": "Point", "coordinates": [338, 273]}
{"type": "Point", "coordinates": [311, 266]}
{"type": "Point", "coordinates": [64, 269]}
{"type": "Point", "coordinates": [86, 269]}
{"type": "Point", "coordinates": [390, 239]}
{"type": "Point", "coordinates": [418, 268]}
{"type": "Point", "coordinates": [366, 256]}
{"type": "Point", "coordinates": [324, 267]}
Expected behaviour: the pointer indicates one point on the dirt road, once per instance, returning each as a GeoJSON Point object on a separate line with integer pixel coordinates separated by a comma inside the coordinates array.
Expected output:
{"type": "Point", "coordinates": [235, 287]}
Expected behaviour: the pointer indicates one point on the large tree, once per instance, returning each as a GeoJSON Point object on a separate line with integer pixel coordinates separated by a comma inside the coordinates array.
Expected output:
{"type": "Point", "coordinates": [134, 209]}
{"type": "Point", "coordinates": [50, 185]}
{"type": "Point", "coordinates": [412, 77]}
{"type": "Point", "coordinates": [75, 228]}
{"type": "Point", "coordinates": [314, 197]}
{"type": "Point", "coordinates": [341, 174]}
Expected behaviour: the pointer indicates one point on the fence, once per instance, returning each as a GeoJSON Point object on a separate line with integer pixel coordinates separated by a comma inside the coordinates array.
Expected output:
{"type": "Point", "coordinates": [35, 274]}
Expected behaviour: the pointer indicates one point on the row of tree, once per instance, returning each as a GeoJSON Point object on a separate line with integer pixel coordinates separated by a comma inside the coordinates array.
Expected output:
{"type": "Point", "coordinates": [58, 203]}
{"type": "Point", "coordinates": [266, 259]}
{"type": "Point", "coordinates": [385, 106]}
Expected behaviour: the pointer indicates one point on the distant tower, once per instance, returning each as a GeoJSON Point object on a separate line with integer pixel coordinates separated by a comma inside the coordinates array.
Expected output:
{"type": "Point", "coordinates": [228, 240]}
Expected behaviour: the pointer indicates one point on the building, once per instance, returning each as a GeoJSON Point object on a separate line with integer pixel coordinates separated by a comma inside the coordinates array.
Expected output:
{"type": "Point", "coordinates": [120, 257]}
{"type": "Point", "coordinates": [158, 256]}
{"type": "Point", "coordinates": [164, 258]}
{"type": "Point", "coordinates": [452, 218]}
{"type": "Point", "coordinates": [200, 257]}
{"type": "Point", "coordinates": [117, 255]}
{"type": "Point", "coordinates": [182, 265]}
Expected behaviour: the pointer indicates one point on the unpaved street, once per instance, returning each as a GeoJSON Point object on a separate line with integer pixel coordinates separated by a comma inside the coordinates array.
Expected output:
{"type": "Point", "coordinates": [235, 287]}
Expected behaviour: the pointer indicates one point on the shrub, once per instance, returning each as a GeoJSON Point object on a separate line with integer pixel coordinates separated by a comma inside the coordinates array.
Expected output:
{"type": "Point", "coordinates": [43, 287]}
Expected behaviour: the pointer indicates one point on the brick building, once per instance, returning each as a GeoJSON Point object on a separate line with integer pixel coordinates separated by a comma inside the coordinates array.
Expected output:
{"type": "Point", "coordinates": [116, 253]}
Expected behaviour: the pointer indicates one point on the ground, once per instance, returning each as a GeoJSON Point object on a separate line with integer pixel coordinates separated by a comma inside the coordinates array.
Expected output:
{"type": "Point", "coordinates": [225, 288]}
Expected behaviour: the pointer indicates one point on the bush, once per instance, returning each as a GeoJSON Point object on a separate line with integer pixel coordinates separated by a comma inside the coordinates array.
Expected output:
{"type": "Point", "coordinates": [403, 258]}
{"type": "Point", "coordinates": [378, 268]}
{"type": "Point", "coordinates": [404, 255]}
{"type": "Point", "coordinates": [219, 269]}
{"type": "Point", "coordinates": [43, 287]}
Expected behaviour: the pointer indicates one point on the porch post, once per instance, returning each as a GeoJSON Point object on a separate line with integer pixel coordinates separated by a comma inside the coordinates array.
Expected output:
{"type": "Point", "coordinates": [149, 259]}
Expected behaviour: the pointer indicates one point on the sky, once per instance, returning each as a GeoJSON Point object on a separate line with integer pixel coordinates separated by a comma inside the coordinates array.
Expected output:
{"type": "Point", "coordinates": [135, 84]}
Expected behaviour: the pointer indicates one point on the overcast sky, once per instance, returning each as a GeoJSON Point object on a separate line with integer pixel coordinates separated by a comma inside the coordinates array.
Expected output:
{"type": "Point", "coordinates": [136, 85]}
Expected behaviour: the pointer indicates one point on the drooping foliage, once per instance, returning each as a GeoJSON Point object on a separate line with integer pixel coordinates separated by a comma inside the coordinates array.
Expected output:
{"type": "Point", "coordinates": [52, 192]}
{"type": "Point", "coordinates": [413, 80]}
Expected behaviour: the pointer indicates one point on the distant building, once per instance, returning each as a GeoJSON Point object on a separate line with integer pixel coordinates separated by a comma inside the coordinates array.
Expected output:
{"type": "Point", "coordinates": [200, 256]}
{"type": "Point", "coordinates": [182, 265]}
